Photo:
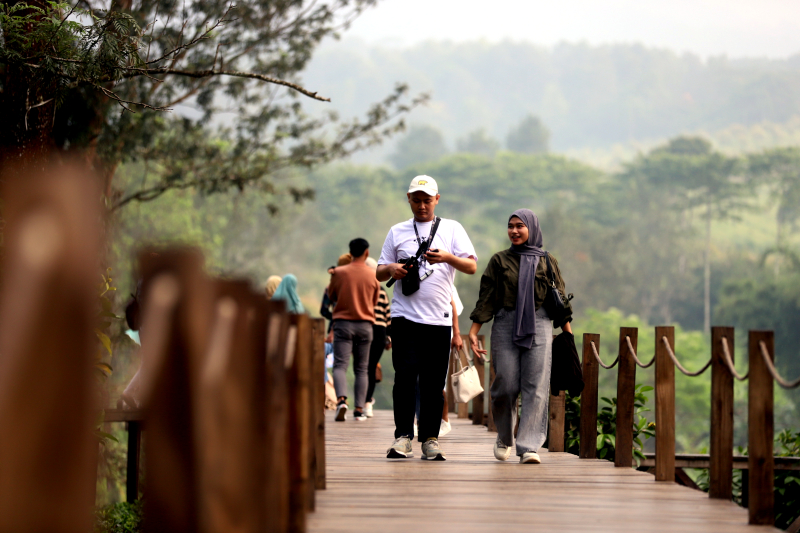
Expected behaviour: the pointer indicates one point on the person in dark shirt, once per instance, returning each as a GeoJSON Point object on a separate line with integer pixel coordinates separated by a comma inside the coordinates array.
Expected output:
{"type": "Point", "coordinates": [513, 289]}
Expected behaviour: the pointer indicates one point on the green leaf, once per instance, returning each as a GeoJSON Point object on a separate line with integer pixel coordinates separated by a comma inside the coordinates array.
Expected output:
{"type": "Point", "coordinates": [600, 439]}
{"type": "Point", "coordinates": [104, 340]}
{"type": "Point", "coordinates": [646, 388]}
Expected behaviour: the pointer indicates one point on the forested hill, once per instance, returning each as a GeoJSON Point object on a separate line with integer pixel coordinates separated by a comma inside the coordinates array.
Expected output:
{"type": "Point", "coordinates": [588, 96]}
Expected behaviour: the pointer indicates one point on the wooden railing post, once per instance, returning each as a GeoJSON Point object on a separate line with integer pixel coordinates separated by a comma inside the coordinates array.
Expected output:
{"type": "Point", "coordinates": [51, 244]}
{"type": "Point", "coordinates": [176, 316]}
{"type": "Point", "coordinates": [626, 383]}
{"type": "Point", "coordinates": [299, 442]}
{"type": "Point", "coordinates": [760, 429]}
{"type": "Point", "coordinates": [721, 450]}
{"type": "Point", "coordinates": [589, 397]}
{"type": "Point", "coordinates": [555, 431]}
{"type": "Point", "coordinates": [665, 406]}
{"type": "Point", "coordinates": [277, 409]}
{"type": "Point", "coordinates": [318, 403]}
{"type": "Point", "coordinates": [134, 449]}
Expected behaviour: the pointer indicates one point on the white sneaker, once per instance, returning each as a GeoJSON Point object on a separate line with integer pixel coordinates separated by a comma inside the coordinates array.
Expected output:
{"type": "Point", "coordinates": [501, 451]}
{"type": "Point", "coordinates": [368, 409]}
{"type": "Point", "coordinates": [531, 458]}
{"type": "Point", "coordinates": [444, 428]}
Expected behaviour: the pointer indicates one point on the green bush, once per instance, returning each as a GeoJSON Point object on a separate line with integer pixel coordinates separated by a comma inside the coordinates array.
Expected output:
{"type": "Point", "coordinates": [607, 425]}
{"type": "Point", "coordinates": [122, 517]}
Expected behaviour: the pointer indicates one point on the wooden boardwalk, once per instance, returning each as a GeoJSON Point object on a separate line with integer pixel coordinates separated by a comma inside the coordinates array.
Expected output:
{"type": "Point", "coordinates": [472, 491]}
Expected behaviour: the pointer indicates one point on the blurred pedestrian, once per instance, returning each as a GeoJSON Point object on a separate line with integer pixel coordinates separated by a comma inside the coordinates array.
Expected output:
{"type": "Point", "coordinates": [513, 290]}
{"type": "Point", "coordinates": [287, 292]}
{"type": "Point", "coordinates": [355, 290]}
{"type": "Point", "coordinates": [381, 339]}
{"type": "Point", "coordinates": [272, 285]}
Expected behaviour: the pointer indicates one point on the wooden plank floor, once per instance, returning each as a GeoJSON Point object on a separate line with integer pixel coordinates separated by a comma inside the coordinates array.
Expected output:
{"type": "Point", "coordinates": [472, 491]}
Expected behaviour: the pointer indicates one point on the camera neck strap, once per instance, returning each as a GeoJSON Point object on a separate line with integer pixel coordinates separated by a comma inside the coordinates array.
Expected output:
{"type": "Point", "coordinates": [434, 227]}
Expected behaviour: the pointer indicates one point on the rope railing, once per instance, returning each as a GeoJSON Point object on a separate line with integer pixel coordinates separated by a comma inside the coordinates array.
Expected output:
{"type": "Point", "coordinates": [729, 361]}
{"type": "Point", "coordinates": [636, 359]}
{"type": "Point", "coordinates": [600, 362]}
{"type": "Point", "coordinates": [678, 364]}
{"type": "Point", "coordinates": [773, 371]}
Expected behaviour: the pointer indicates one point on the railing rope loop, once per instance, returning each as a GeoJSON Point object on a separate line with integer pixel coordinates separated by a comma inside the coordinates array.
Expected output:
{"type": "Point", "coordinates": [636, 359]}
{"type": "Point", "coordinates": [600, 362]}
{"type": "Point", "coordinates": [679, 365]}
{"type": "Point", "coordinates": [773, 371]}
{"type": "Point", "coordinates": [729, 363]}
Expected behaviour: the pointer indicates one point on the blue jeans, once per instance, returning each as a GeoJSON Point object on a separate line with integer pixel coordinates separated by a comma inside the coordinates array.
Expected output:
{"type": "Point", "coordinates": [521, 370]}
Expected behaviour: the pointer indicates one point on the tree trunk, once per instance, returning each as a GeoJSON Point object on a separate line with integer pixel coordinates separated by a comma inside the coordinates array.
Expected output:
{"type": "Point", "coordinates": [707, 274]}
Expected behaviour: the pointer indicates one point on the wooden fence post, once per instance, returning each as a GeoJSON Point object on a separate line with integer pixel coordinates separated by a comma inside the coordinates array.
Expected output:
{"type": "Point", "coordinates": [555, 431]}
{"type": "Point", "coordinates": [231, 421]}
{"type": "Point", "coordinates": [48, 455]}
{"type": "Point", "coordinates": [720, 470]}
{"type": "Point", "coordinates": [760, 430]}
{"type": "Point", "coordinates": [300, 444]}
{"type": "Point", "coordinates": [176, 315]}
{"type": "Point", "coordinates": [318, 403]}
{"type": "Point", "coordinates": [277, 409]}
{"type": "Point", "coordinates": [589, 397]}
{"type": "Point", "coordinates": [665, 406]}
{"type": "Point", "coordinates": [134, 456]}
{"type": "Point", "coordinates": [626, 383]}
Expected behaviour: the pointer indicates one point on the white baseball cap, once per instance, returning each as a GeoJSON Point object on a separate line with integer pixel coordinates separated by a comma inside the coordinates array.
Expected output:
{"type": "Point", "coordinates": [425, 184]}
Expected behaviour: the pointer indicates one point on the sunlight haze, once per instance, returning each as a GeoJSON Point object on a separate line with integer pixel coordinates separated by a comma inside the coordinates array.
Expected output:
{"type": "Point", "coordinates": [706, 27]}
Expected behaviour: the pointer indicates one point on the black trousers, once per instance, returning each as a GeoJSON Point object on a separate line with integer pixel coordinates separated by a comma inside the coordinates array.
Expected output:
{"type": "Point", "coordinates": [419, 352]}
{"type": "Point", "coordinates": [375, 353]}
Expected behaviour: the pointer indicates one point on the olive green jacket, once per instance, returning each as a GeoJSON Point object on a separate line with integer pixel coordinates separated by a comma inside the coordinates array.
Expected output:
{"type": "Point", "coordinates": [499, 286]}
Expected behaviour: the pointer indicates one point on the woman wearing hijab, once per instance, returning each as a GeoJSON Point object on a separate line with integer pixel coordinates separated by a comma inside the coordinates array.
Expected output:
{"type": "Point", "coordinates": [513, 289]}
{"type": "Point", "coordinates": [287, 292]}
{"type": "Point", "coordinates": [272, 286]}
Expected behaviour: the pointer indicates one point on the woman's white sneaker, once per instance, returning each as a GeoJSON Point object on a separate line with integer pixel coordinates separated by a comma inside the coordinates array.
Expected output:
{"type": "Point", "coordinates": [530, 458]}
{"type": "Point", "coordinates": [444, 428]}
{"type": "Point", "coordinates": [368, 408]}
{"type": "Point", "coordinates": [501, 451]}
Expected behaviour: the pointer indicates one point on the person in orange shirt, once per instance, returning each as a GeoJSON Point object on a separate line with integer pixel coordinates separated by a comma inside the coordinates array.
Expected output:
{"type": "Point", "coordinates": [355, 290]}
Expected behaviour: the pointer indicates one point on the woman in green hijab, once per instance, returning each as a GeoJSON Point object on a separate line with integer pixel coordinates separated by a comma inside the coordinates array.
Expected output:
{"type": "Point", "coordinates": [287, 292]}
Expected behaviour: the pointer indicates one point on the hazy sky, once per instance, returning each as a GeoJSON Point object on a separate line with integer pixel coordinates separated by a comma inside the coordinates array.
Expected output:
{"type": "Point", "coordinates": [706, 27]}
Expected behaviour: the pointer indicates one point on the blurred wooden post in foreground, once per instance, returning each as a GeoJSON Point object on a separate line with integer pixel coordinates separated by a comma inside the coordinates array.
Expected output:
{"type": "Point", "coordinates": [318, 402]}
{"type": "Point", "coordinates": [177, 305]}
{"type": "Point", "coordinates": [47, 315]}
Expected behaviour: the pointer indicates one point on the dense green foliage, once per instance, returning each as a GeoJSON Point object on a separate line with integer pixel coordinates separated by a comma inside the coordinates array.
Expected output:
{"type": "Point", "coordinates": [122, 517]}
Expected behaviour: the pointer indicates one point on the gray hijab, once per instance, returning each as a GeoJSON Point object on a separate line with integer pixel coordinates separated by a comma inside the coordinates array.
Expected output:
{"type": "Point", "coordinates": [529, 253]}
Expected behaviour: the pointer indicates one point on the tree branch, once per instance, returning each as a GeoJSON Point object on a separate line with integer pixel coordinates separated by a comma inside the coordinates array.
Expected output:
{"type": "Point", "coordinates": [133, 72]}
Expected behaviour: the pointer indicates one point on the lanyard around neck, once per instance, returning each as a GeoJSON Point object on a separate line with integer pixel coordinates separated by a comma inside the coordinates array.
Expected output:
{"type": "Point", "coordinates": [430, 235]}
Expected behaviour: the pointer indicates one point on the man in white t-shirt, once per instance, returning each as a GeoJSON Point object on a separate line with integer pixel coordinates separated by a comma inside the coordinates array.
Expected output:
{"type": "Point", "coordinates": [421, 320]}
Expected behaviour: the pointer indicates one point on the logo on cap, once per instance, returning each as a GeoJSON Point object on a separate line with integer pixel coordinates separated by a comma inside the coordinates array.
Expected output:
{"type": "Point", "coordinates": [422, 182]}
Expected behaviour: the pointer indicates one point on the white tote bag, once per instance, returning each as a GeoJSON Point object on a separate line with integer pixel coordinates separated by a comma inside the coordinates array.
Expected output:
{"type": "Point", "coordinates": [466, 384]}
